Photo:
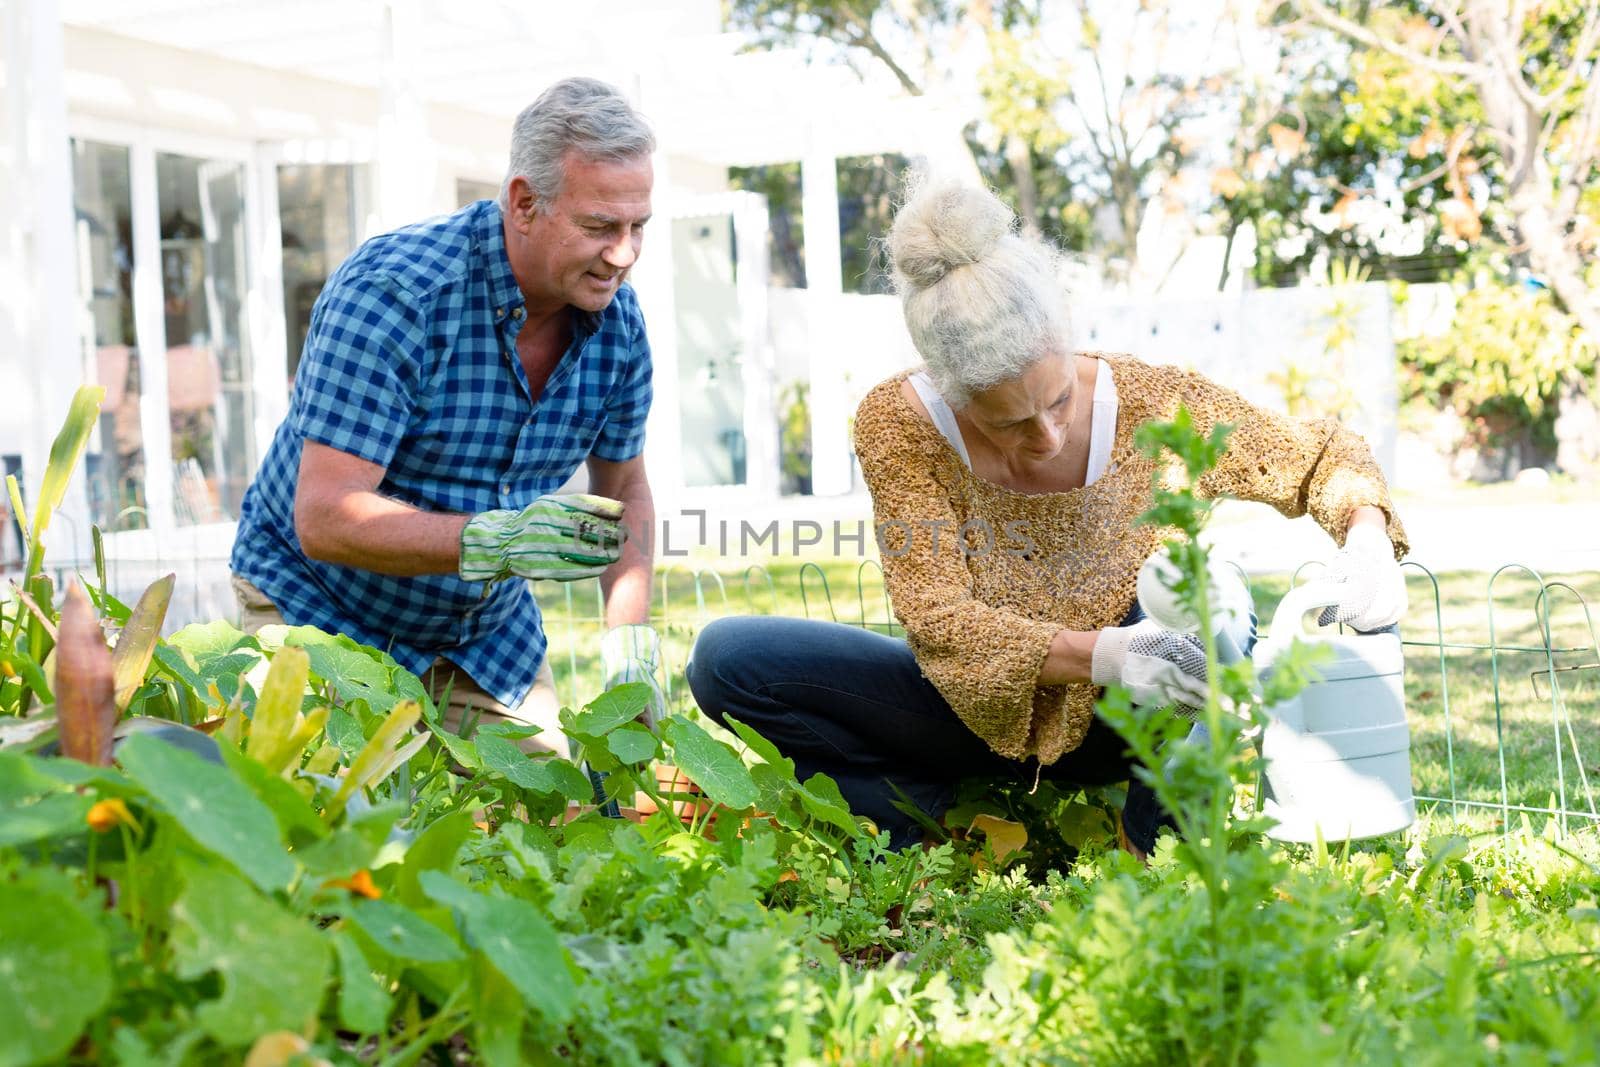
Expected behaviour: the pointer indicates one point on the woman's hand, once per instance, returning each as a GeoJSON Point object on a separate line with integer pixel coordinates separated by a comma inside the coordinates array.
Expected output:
{"type": "Point", "coordinates": [1157, 666]}
{"type": "Point", "coordinates": [1373, 589]}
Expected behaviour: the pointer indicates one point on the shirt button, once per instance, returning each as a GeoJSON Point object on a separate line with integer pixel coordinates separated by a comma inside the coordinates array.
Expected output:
{"type": "Point", "coordinates": [499, 313]}
{"type": "Point", "coordinates": [517, 314]}
{"type": "Point", "coordinates": [506, 489]}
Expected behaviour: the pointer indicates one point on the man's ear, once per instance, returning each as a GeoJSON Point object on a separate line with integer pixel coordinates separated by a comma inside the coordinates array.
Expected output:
{"type": "Point", "coordinates": [521, 200]}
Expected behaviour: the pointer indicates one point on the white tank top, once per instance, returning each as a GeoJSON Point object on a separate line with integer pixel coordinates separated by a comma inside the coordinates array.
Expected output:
{"type": "Point", "coordinates": [1102, 419]}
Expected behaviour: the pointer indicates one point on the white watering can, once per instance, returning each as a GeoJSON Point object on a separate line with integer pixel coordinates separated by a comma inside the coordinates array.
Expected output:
{"type": "Point", "coordinates": [1338, 755]}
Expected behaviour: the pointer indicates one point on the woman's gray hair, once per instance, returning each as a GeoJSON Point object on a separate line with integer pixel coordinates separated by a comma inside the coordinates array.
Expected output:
{"type": "Point", "coordinates": [982, 302]}
{"type": "Point", "coordinates": [581, 115]}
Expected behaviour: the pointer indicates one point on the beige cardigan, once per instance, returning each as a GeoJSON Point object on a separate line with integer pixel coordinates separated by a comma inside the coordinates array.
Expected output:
{"type": "Point", "coordinates": [982, 577]}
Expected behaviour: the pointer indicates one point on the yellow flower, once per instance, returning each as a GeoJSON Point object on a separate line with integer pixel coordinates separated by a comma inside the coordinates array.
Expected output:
{"type": "Point", "coordinates": [7, 669]}
{"type": "Point", "coordinates": [104, 816]}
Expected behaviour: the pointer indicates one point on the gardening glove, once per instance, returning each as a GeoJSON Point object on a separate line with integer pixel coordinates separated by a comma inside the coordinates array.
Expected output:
{"type": "Point", "coordinates": [632, 653]}
{"type": "Point", "coordinates": [561, 537]}
{"type": "Point", "coordinates": [1373, 591]}
{"type": "Point", "coordinates": [1157, 666]}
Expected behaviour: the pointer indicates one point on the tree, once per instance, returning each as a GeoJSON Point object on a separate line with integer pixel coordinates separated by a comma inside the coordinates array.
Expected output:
{"type": "Point", "coordinates": [1511, 90]}
{"type": "Point", "coordinates": [1088, 112]}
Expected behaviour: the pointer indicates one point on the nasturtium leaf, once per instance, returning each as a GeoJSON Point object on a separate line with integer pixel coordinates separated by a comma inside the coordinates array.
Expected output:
{"type": "Point", "coordinates": [545, 775]}
{"type": "Point", "coordinates": [710, 763]}
{"type": "Point", "coordinates": [55, 971]}
{"type": "Point", "coordinates": [518, 940]}
{"type": "Point", "coordinates": [760, 745]}
{"type": "Point", "coordinates": [213, 806]}
{"type": "Point", "coordinates": [632, 744]}
{"type": "Point", "coordinates": [497, 1018]}
{"type": "Point", "coordinates": [821, 798]}
{"type": "Point", "coordinates": [54, 815]}
{"type": "Point", "coordinates": [352, 669]}
{"type": "Point", "coordinates": [273, 965]}
{"type": "Point", "coordinates": [22, 777]}
{"type": "Point", "coordinates": [207, 640]}
{"type": "Point", "coordinates": [345, 732]}
{"type": "Point", "coordinates": [292, 810]}
{"type": "Point", "coordinates": [364, 1006]}
{"type": "Point", "coordinates": [403, 933]}
{"type": "Point", "coordinates": [434, 849]}
{"type": "Point", "coordinates": [1004, 836]}
{"type": "Point", "coordinates": [612, 709]}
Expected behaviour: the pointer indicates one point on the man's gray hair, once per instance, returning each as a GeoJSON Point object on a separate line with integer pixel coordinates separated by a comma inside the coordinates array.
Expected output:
{"type": "Point", "coordinates": [982, 302]}
{"type": "Point", "coordinates": [581, 115]}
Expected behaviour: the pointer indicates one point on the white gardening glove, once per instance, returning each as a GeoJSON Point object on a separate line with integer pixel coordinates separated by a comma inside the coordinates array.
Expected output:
{"type": "Point", "coordinates": [632, 653]}
{"type": "Point", "coordinates": [1157, 666]}
{"type": "Point", "coordinates": [1373, 588]}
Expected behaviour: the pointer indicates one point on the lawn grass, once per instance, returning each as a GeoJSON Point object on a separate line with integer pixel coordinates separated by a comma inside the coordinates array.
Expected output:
{"type": "Point", "coordinates": [1451, 699]}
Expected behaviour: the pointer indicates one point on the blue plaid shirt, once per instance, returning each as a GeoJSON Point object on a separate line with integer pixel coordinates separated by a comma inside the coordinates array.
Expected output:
{"type": "Point", "coordinates": [410, 363]}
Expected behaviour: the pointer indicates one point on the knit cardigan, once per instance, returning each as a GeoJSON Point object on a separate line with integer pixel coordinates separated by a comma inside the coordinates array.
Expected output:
{"type": "Point", "coordinates": [982, 577]}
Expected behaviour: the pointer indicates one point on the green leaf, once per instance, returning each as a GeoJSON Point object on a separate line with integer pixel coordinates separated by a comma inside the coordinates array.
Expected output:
{"type": "Point", "coordinates": [518, 940]}
{"type": "Point", "coordinates": [208, 640]}
{"type": "Point", "coordinates": [611, 709]}
{"type": "Point", "coordinates": [23, 777]}
{"type": "Point", "coordinates": [131, 658]}
{"type": "Point", "coordinates": [822, 800]}
{"type": "Point", "coordinates": [710, 763]}
{"type": "Point", "coordinates": [364, 1005]}
{"type": "Point", "coordinates": [345, 733]}
{"type": "Point", "coordinates": [56, 815]}
{"type": "Point", "coordinates": [759, 745]}
{"type": "Point", "coordinates": [292, 810]}
{"type": "Point", "coordinates": [55, 970]}
{"type": "Point", "coordinates": [435, 849]}
{"type": "Point", "coordinates": [548, 774]}
{"type": "Point", "coordinates": [213, 806]}
{"type": "Point", "coordinates": [273, 965]}
{"type": "Point", "coordinates": [401, 932]}
{"type": "Point", "coordinates": [632, 744]}
{"type": "Point", "coordinates": [64, 454]}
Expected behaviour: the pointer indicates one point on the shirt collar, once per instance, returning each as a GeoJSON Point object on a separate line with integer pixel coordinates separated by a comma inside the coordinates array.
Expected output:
{"type": "Point", "coordinates": [504, 293]}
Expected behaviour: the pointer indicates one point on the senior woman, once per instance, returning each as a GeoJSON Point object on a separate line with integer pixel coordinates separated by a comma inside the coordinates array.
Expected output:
{"type": "Point", "coordinates": [1005, 485]}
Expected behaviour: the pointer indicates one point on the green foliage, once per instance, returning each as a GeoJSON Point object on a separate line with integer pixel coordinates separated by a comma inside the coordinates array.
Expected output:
{"type": "Point", "coordinates": [1500, 365]}
{"type": "Point", "coordinates": [354, 884]}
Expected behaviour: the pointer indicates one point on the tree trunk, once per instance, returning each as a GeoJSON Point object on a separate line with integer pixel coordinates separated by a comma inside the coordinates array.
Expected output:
{"type": "Point", "coordinates": [1019, 158]}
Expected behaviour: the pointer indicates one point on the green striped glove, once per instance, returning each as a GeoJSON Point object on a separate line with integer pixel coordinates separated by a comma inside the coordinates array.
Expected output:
{"type": "Point", "coordinates": [560, 537]}
{"type": "Point", "coordinates": [632, 653]}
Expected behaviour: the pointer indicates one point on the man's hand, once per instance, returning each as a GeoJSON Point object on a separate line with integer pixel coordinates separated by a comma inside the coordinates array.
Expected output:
{"type": "Point", "coordinates": [632, 653]}
{"type": "Point", "coordinates": [1157, 666]}
{"type": "Point", "coordinates": [558, 537]}
{"type": "Point", "coordinates": [1373, 590]}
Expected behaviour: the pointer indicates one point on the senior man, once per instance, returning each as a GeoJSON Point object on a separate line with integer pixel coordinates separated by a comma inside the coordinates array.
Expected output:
{"type": "Point", "coordinates": [456, 374]}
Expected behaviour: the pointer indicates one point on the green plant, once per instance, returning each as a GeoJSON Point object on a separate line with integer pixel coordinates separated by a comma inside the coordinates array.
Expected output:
{"type": "Point", "coordinates": [1500, 366]}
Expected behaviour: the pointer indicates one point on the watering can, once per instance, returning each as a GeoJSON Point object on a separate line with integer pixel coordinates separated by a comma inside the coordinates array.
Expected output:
{"type": "Point", "coordinates": [1337, 756]}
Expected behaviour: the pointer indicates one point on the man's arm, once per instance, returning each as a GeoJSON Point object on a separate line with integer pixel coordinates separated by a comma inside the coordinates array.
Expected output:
{"type": "Point", "coordinates": [626, 583]}
{"type": "Point", "coordinates": [340, 517]}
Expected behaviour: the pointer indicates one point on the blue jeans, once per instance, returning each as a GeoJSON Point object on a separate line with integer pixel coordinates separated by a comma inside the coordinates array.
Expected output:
{"type": "Point", "coordinates": [854, 705]}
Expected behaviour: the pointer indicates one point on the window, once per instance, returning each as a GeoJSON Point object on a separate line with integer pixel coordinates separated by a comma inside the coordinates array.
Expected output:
{"type": "Point", "coordinates": [201, 209]}
{"type": "Point", "coordinates": [103, 209]}
{"type": "Point", "coordinates": [323, 208]}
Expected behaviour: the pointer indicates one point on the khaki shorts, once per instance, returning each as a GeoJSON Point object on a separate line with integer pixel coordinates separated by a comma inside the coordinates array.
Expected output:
{"type": "Point", "coordinates": [467, 702]}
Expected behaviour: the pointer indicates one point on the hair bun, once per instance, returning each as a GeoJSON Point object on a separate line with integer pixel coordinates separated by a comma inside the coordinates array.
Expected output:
{"type": "Point", "coordinates": [944, 225]}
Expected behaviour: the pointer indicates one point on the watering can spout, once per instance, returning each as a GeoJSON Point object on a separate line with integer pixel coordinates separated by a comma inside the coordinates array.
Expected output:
{"type": "Point", "coordinates": [1337, 757]}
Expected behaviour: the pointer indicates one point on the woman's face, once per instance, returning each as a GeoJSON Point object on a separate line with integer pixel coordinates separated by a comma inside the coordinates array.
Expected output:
{"type": "Point", "coordinates": [1027, 417]}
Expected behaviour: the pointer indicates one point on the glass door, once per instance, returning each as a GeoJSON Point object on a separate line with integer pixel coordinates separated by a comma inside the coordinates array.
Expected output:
{"type": "Point", "coordinates": [203, 277]}
{"type": "Point", "coordinates": [103, 212]}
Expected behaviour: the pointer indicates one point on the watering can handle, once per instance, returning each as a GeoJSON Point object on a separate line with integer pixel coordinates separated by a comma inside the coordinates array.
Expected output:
{"type": "Point", "coordinates": [1289, 618]}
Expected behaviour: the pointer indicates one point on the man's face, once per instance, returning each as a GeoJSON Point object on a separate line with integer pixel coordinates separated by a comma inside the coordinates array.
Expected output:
{"type": "Point", "coordinates": [577, 249]}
